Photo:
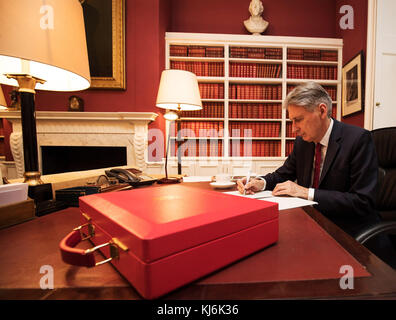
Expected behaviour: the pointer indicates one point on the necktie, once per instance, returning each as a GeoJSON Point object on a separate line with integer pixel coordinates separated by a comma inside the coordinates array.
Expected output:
{"type": "Point", "coordinates": [318, 160]}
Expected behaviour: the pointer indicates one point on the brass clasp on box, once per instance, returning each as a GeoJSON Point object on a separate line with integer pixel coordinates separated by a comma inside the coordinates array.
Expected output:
{"type": "Point", "coordinates": [115, 245]}
{"type": "Point", "coordinates": [91, 231]}
{"type": "Point", "coordinates": [89, 225]}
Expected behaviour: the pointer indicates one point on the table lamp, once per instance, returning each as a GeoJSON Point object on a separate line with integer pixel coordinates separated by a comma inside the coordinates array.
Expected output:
{"type": "Point", "coordinates": [3, 103]}
{"type": "Point", "coordinates": [178, 91]}
{"type": "Point", "coordinates": [43, 47]}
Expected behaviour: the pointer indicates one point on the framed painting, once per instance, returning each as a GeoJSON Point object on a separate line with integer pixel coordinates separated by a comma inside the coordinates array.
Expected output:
{"type": "Point", "coordinates": [352, 86]}
{"type": "Point", "coordinates": [105, 32]}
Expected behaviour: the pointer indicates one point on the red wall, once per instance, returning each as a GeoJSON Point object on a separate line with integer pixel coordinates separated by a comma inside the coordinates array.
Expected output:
{"type": "Point", "coordinates": [354, 41]}
{"type": "Point", "coordinates": [143, 46]}
{"type": "Point", "coordinates": [308, 18]}
{"type": "Point", "coordinates": [148, 20]}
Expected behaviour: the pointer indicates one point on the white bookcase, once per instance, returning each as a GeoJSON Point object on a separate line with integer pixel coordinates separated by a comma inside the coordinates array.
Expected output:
{"type": "Point", "coordinates": [243, 80]}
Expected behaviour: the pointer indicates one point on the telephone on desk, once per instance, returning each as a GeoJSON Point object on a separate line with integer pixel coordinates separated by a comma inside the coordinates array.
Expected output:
{"type": "Point", "coordinates": [133, 176]}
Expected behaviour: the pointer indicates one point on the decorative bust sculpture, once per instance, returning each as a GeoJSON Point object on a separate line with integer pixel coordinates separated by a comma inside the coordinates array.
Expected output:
{"type": "Point", "coordinates": [256, 24]}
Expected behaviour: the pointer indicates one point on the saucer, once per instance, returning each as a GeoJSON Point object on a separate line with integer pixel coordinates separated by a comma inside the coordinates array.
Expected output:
{"type": "Point", "coordinates": [222, 185]}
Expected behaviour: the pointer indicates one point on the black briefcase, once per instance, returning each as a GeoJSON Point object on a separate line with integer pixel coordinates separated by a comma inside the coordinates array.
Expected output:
{"type": "Point", "coordinates": [70, 195]}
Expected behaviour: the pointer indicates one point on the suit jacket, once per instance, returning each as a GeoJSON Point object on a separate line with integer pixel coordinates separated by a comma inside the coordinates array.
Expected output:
{"type": "Point", "coordinates": [347, 186]}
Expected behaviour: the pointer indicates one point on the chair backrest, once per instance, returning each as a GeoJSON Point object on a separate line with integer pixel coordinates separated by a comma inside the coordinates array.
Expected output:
{"type": "Point", "coordinates": [385, 145]}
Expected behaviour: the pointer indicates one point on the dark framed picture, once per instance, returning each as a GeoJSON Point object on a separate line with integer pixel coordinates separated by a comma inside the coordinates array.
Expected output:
{"type": "Point", "coordinates": [105, 32]}
{"type": "Point", "coordinates": [76, 104]}
{"type": "Point", "coordinates": [352, 86]}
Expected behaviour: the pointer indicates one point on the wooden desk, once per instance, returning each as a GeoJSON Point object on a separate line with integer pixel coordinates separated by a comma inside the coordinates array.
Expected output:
{"type": "Point", "coordinates": [298, 266]}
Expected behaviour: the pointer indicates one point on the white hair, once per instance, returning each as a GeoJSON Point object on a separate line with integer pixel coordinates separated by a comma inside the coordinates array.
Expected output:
{"type": "Point", "coordinates": [309, 95]}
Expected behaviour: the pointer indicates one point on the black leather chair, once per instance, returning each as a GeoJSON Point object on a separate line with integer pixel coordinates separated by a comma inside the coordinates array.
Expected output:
{"type": "Point", "coordinates": [385, 144]}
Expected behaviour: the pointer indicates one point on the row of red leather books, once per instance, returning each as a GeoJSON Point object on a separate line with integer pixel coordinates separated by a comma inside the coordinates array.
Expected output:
{"type": "Point", "coordinates": [255, 148]}
{"type": "Point", "coordinates": [254, 129]}
{"type": "Point", "coordinates": [200, 68]}
{"type": "Point", "coordinates": [236, 129]}
{"type": "Point", "coordinates": [311, 72]}
{"type": "Point", "coordinates": [255, 70]}
{"type": "Point", "coordinates": [206, 148]}
{"type": "Point", "coordinates": [289, 147]}
{"type": "Point", "coordinates": [256, 53]}
{"type": "Point", "coordinates": [334, 111]}
{"type": "Point", "coordinates": [211, 90]}
{"type": "Point", "coordinates": [255, 110]}
{"type": "Point", "coordinates": [289, 130]}
{"type": "Point", "coordinates": [331, 90]}
{"type": "Point", "coordinates": [198, 148]}
{"type": "Point", "coordinates": [209, 110]}
{"type": "Point", "coordinates": [255, 92]}
{"type": "Point", "coordinates": [196, 51]}
{"type": "Point", "coordinates": [312, 54]}
{"type": "Point", "coordinates": [203, 148]}
{"type": "Point", "coordinates": [199, 128]}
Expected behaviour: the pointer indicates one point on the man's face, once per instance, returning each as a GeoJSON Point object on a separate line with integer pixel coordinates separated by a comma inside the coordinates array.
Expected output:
{"type": "Point", "coordinates": [311, 126]}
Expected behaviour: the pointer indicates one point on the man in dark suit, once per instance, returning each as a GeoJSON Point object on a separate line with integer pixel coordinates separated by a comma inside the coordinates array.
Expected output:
{"type": "Point", "coordinates": [332, 163]}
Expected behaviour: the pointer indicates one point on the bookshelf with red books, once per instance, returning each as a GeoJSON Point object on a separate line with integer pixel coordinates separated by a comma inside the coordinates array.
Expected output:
{"type": "Point", "coordinates": [243, 80]}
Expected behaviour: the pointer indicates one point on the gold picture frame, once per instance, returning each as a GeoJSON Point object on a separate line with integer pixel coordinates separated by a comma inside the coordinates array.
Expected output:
{"type": "Point", "coordinates": [105, 30]}
{"type": "Point", "coordinates": [352, 86]}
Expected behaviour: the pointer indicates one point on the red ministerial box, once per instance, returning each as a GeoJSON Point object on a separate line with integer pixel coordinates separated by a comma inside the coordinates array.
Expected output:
{"type": "Point", "coordinates": [162, 238]}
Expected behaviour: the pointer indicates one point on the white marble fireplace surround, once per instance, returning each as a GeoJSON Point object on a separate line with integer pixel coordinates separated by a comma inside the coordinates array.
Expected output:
{"type": "Point", "coordinates": [121, 129]}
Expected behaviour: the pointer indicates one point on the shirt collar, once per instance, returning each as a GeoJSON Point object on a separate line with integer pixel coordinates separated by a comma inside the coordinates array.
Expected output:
{"type": "Point", "coordinates": [326, 137]}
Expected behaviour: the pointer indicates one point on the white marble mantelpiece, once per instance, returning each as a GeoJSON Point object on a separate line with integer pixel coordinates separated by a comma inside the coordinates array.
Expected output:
{"type": "Point", "coordinates": [128, 129]}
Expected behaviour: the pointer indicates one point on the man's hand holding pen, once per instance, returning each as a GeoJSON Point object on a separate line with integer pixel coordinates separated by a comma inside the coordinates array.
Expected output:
{"type": "Point", "coordinates": [254, 185]}
{"type": "Point", "coordinates": [287, 188]}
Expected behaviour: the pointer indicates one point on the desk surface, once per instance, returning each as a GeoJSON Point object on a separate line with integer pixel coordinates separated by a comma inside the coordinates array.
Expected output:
{"type": "Point", "coordinates": [304, 263]}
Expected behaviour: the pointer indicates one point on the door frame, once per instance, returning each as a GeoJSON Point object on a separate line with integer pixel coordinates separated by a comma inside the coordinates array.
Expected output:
{"type": "Point", "coordinates": [370, 64]}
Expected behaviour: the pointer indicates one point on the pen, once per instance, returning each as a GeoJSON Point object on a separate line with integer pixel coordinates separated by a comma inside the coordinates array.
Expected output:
{"type": "Point", "coordinates": [247, 180]}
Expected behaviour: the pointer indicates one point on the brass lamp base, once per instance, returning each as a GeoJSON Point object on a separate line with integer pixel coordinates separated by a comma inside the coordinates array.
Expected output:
{"type": "Point", "coordinates": [32, 178]}
{"type": "Point", "coordinates": [169, 180]}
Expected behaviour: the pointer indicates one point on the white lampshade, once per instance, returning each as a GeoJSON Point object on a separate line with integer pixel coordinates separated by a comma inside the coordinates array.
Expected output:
{"type": "Point", "coordinates": [45, 39]}
{"type": "Point", "coordinates": [3, 103]}
{"type": "Point", "coordinates": [178, 90]}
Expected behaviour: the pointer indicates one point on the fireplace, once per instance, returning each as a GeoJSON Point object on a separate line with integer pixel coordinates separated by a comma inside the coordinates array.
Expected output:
{"type": "Point", "coordinates": [125, 130]}
{"type": "Point", "coordinates": [59, 159]}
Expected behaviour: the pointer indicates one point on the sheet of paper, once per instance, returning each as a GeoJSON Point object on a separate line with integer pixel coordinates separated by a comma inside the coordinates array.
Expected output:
{"type": "Point", "coordinates": [197, 179]}
{"type": "Point", "coordinates": [283, 202]}
{"type": "Point", "coordinates": [257, 195]}
{"type": "Point", "coordinates": [290, 202]}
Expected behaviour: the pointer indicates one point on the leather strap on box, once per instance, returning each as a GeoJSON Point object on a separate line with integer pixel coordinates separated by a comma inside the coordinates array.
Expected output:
{"type": "Point", "coordinates": [74, 256]}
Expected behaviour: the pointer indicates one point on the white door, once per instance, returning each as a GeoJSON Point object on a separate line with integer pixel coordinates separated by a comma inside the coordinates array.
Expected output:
{"type": "Point", "coordinates": [385, 74]}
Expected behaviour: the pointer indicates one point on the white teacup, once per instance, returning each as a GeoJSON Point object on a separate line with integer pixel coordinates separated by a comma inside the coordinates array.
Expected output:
{"type": "Point", "coordinates": [223, 178]}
